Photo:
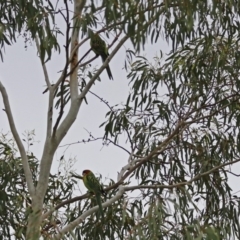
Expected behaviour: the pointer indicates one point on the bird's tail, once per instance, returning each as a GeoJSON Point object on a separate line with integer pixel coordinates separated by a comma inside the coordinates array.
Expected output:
{"type": "Point", "coordinates": [104, 57]}
{"type": "Point", "coordinates": [99, 202]}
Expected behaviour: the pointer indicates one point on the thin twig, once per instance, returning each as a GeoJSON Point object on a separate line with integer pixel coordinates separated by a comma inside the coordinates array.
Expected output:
{"type": "Point", "coordinates": [106, 139]}
{"type": "Point", "coordinates": [102, 100]}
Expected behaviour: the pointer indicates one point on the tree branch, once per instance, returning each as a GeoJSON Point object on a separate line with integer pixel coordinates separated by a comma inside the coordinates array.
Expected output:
{"type": "Point", "coordinates": [133, 165]}
{"type": "Point", "coordinates": [51, 95]}
{"type": "Point", "coordinates": [80, 219]}
{"type": "Point", "coordinates": [27, 171]}
{"type": "Point", "coordinates": [63, 75]}
{"type": "Point", "coordinates": [123, 189]}
{"type": "Point", "coordinates": [130, 167]}
{"type": "Point", "coordinates": [176, 185]}
{"type": "Point", "coordinates": [51, 144]}
{"type": "Point", "coordinates": [76, 102]}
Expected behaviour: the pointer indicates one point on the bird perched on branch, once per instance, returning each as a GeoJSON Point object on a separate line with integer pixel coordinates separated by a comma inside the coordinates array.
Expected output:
{"type": "Point", "coordinates": [94, 186]}
{"type": "Point", "coordinates": [100, 48]}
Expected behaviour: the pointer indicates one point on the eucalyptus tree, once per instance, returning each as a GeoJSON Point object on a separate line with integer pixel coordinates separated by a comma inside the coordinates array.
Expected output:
{"type": "Point", "coordinates": [180, 120]}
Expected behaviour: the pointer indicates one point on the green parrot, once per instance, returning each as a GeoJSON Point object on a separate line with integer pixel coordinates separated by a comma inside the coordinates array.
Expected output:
{"type": "Point", "coordinates": [100, 48]}
{"type": "Point", "coordinates": [94, 186]}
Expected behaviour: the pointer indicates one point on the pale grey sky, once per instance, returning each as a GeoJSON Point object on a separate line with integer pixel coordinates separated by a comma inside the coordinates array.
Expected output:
{"type": "Point", "coordinates": [22, 75]}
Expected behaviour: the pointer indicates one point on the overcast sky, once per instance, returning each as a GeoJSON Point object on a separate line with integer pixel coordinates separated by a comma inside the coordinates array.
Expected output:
{"type": "Point", "coordinates": [22, 75]}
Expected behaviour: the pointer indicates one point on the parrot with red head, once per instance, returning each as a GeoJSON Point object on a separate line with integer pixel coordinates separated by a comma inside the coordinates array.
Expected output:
{"type": "Point", "coordinates": [94, 186]}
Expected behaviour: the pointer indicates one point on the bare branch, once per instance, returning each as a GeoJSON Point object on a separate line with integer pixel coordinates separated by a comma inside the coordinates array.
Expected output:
{"type": "Point", "coordinates": [102, 100]}
{"type": "Point", "coordinates": [119, 146]}
{"type": "Point", "coordinates": [96, 139]}
{"type": "Point", "coordinates": [234, 174]}
{"type": "Point", "coordinates": [83, 141]}
{"type": "Point", "coordinates": [27, 171]}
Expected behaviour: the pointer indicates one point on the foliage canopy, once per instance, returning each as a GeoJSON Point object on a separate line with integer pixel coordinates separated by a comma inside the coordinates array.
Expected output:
{"type": "Point", "coordinates": [180, 122]}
